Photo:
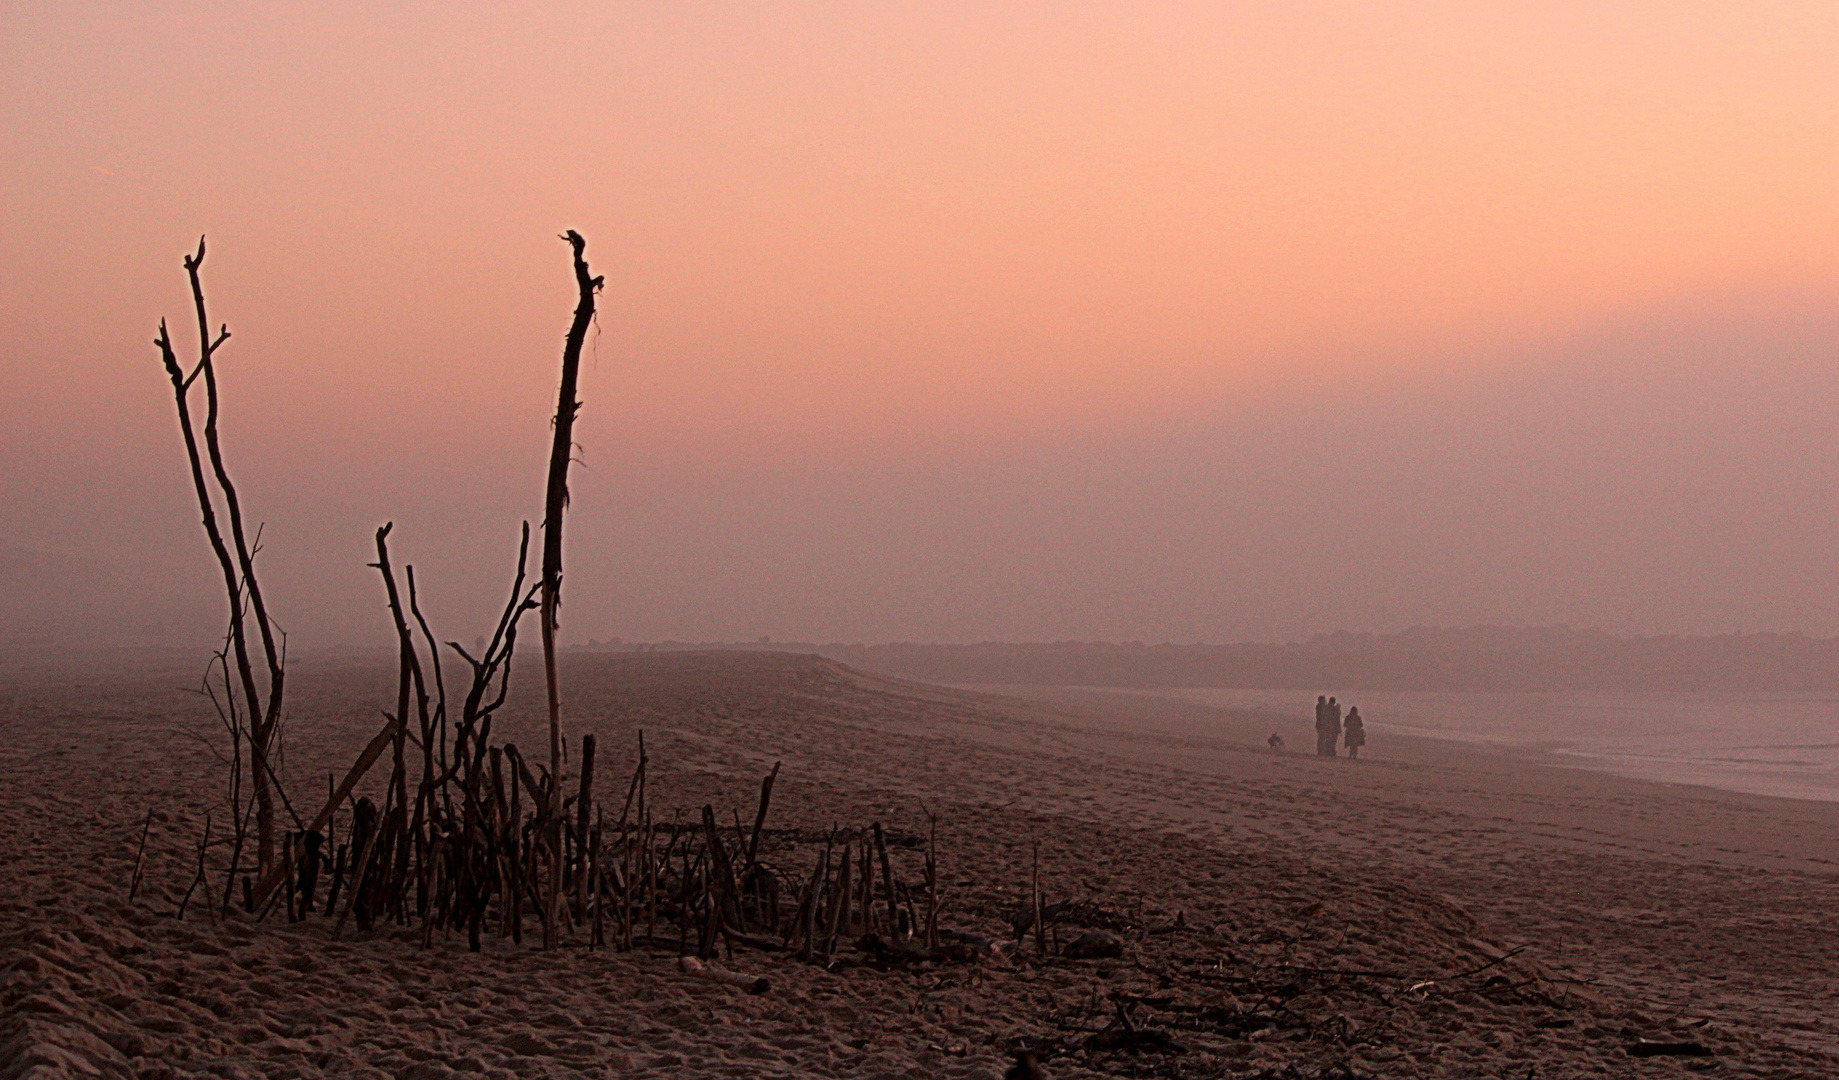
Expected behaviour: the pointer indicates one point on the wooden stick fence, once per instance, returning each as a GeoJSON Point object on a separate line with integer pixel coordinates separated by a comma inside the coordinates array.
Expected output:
{"type": "Point", "coordinates": [478, 868]}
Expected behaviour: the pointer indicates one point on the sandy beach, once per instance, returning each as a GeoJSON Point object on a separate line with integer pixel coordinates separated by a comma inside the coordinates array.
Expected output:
{"type": "Point", "coordinates": [1433, 910]}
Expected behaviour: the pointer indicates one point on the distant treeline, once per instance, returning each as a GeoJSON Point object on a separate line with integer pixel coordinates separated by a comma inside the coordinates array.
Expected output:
{"type": "Point", "coordinates": [1472, 659]}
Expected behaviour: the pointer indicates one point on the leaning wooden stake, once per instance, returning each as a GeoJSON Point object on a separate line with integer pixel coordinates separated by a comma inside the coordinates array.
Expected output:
{"type": "Point", "coordinates": [378, 743]}
{"type": "Point", "coordinates": [759, 820]}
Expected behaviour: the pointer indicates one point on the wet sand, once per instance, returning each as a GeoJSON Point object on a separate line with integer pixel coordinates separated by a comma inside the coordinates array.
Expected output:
{"type": "Point", "coordinates": [1247, 886]}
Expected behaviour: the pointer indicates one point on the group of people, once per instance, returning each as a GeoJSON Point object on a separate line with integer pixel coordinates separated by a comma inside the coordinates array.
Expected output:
{"type": "Point", "coordinates": [1331, 729]}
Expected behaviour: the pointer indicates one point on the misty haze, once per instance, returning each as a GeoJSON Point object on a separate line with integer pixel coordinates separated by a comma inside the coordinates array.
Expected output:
{"type": "Point", "coordinates": [1183, 540]}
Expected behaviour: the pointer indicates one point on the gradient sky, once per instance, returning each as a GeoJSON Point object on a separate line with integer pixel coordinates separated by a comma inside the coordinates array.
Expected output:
{"type": "Point", "coordinates": [938, 321]}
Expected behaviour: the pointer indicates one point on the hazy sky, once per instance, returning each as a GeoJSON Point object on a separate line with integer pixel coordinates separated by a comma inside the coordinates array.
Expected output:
{"type": "Point", "coordinates": [939, 321]}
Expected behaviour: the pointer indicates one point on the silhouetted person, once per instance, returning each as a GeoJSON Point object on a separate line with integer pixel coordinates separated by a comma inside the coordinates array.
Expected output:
{"type": "Point", "coordinates": [1355, 732]}
{"type": "Point", "coordinates": [1321, 726]}
{"type": "Point", "coordinates": [1332, 734]}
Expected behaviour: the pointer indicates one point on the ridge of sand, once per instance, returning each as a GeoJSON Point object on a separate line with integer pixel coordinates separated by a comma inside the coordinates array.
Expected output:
{"type": "Point", "coordinates": [1645, 910]}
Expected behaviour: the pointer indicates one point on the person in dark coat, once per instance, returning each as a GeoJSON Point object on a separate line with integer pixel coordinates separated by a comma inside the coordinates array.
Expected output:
{"type": "Point", "coordinates": [1321, 725]}
{"type": "Point", "coordinates": [1355, 732]}
{"type": "Point", "coordinates": [1334, 728]}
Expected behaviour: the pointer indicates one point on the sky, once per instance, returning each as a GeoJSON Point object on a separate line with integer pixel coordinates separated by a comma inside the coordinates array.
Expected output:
{"type": "Point", "coordinates": [935, 322]}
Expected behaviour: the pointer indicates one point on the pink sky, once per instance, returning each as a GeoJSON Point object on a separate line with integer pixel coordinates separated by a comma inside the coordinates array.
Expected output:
{"type": "Point", "coordinates": [1191, 321]}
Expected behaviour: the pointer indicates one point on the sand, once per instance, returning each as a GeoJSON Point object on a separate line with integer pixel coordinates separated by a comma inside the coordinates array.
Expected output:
{"type": "Point", "coordinates": [1245, 884]}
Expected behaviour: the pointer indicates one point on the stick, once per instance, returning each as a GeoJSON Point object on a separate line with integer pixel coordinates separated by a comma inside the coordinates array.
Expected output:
{"type": "Point", "coordinates": [805, 922]}
{"type": "Point", "coordinates": [932, 878]}
{"type": "Point", "coordinates": [839, 905]}
{"type": "Point", "coordinates": [514, 854]}
{"type": "Point", "coordinates": [356, 773]}
{"type": "Point", "coordinates": [199, 880]}
{"type": "Point", "coordinates": [599, 936]}
{"type": "Point", "coordinates": [310, 844]}
{"type": "Point", "coordinates": [887, 878]}
{"type": "Point", "coordinates": [582, 802]}
{"type": "Point", "coordinates": [239, 575]}
{"type": "Point", "coordinates": [360, 865]}
{"type": "Point", "coordinates": [650, 857]}
{"type": "Point", "coordinates": [338, 879]}
{"type": "Point", "coordinates": [753, 984]}
{"type": "Point", "coordinates": [1497, 960]}
{"type": "Point", "coordinates": [867, 870]}
{"type": "Point", "coordinates": [134, 879]}
{"type": "Point", "coordinates": [556, 499]}
{"type": "Point", "coordinates": [759, 821]}
{"type": "Point", "coordinates": [289, 879]}
{"type": "Point", "coordinates": [1034, 892]}
{"type": "Point", "coordinates": [1360, 973]}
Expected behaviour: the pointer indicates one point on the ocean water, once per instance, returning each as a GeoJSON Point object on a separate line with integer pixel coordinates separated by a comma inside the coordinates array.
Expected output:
{"type": "Point", "coordinates": [1784, 744]}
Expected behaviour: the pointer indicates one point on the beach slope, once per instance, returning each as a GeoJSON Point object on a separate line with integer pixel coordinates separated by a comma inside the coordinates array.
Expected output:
{"type": "Point", "coordinates": [1433, 911]}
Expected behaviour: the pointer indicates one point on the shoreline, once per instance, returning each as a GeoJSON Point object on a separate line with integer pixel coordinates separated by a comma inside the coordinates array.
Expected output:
{"type": "Point", "coordinates": [1798, 782]}
{"type": "Point", "coordinates": [1696, 775]}
{"type": "Point", "coordinates": [1530, 796]}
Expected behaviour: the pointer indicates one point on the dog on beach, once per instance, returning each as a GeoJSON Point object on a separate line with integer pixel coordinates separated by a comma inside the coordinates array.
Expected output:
{"type": "Point", "coordinates": [1275, 742]}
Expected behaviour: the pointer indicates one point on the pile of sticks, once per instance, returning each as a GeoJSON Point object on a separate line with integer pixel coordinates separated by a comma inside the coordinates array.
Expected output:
{"type": "Point", "coordinates": [475, 848]}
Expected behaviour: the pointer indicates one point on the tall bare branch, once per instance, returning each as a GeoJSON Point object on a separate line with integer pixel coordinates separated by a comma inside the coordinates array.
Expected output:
{"type": "Point", "coordinates": [239, 570]}
{"type": "Point", "coordinates": [556, 498]}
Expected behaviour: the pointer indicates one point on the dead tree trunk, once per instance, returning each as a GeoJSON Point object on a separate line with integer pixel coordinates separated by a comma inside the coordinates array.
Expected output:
{"type": "Point", "coordinates": [556, 500]}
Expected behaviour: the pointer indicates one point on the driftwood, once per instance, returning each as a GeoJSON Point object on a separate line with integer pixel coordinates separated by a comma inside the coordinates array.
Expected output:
{"type": "Point", "coordinates": [753, 984]}
{"type": "Point", "coordinates": [840, 904]}
{"type": "Point", "coordinates": [761, 942]}
{"type": "Point", "coordinates": [759, 821]}
{"type": "Point", "coordinates": [555, 499]}
{"type": "Point", "coordinates": [957, 948]}
{"type": "Point", "coordinates": [310, 860]}
{"type": "Point", "coordinates": [260, 713]}
{"type": "Point", "coordinates": [1501, 959]}
{"type": "Point", "coordinates": [198, 878]}
{"type": "Point", "coordinates": [887, 875]}
{"type": "Point", "coordinates": [1035, 900]}
{"type": "Point", "coordinates": [892, 949]}
{"type": "Point", "coordinates": [1122, 1035]}
{"type": "Point", "coordinates": [382, 740]}
{"type": "Point", "coordinates": [932, 877]}
{"type": "Point", "coordinates": [617, 872]}
{"type": "Point", "coordinates": [467, 835]}
{"type": "Point", "coordinates": [582, 801]}
{"type": "Point", "coordinates": [140, 856]}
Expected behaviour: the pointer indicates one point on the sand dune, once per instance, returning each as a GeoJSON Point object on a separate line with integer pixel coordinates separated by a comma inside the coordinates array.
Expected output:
{"type": "Point", "coordinates": [1328, 918]}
